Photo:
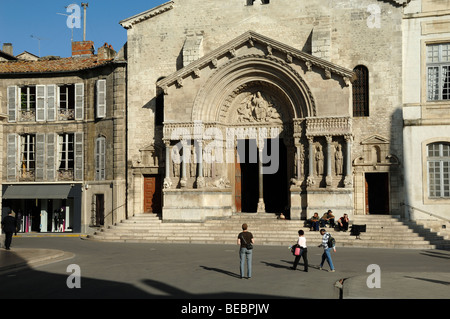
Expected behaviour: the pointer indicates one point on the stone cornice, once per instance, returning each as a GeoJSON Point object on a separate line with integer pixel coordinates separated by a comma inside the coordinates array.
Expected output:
{"type": "Point", "coordinates": [271, 45]}
{"type": "Point", "coordinates": [129, 22]}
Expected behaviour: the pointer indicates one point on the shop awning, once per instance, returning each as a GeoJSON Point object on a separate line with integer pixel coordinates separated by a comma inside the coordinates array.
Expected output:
{"type": "Point", "coordinates": [37, 191]}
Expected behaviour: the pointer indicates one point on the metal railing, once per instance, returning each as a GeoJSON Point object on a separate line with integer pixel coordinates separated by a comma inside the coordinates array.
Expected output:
{"type": "Point", "coordinates": [426, 212]}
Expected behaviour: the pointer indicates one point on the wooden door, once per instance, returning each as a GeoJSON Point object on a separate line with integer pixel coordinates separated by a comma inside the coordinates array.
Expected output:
{"type": "Point", "coordinates": [152, 194]}
{"type": "Point", "coordinates": [99, 209]}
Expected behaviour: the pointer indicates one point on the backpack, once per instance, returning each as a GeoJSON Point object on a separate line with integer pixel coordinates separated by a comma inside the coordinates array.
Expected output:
{"type": "Point", "coordinates": [331, 242]}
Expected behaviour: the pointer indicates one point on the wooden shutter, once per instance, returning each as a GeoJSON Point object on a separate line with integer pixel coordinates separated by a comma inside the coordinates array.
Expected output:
{"type": "Point", "coordinates": [100, 149]}
{"type": "Point", "coordinates": [12, 103]}
{"type": "Point", "coordinates": [40, 157]}
{"type": "Point", "coordinates": [79, 101]}
{"type": "Point", "coordinates": [101, 99]}
{"type": "Point", "coordinates": [40, 103]}
{"type": "Point", "coordinates": [51, 102]}
{"type": "Point", "coordinates": [11, 165]}
{"type": "Point", "coordinates": [78, 167]}
{"type": "Point", "coordinates": [51, 158]}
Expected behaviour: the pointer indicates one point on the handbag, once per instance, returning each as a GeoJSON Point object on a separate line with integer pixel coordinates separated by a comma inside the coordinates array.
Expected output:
{"type": "Point", "coordinates": [248, 246]}
{"type": "Point", "coordinates": [296, 250]}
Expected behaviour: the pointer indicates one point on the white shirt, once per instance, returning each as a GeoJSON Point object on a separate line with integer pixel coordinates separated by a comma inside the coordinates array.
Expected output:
{"type": "Point", "coordinates": [302, 241]}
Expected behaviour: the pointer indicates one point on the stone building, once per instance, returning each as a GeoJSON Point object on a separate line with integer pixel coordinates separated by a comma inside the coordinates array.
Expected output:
{"type": "Point", "coordinates": [282, 106]}
{"type": "Point", "coordinates": [426, 111]}
{"type": "Point", "coordinates": [62, 140]}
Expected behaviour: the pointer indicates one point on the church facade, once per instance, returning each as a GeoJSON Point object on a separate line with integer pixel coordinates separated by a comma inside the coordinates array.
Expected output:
{"type": "Point", "coordinates": [265, 107]}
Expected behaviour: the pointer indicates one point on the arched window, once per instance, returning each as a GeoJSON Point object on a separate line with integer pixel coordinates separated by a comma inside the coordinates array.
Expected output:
{"type": "Point", "coordinates": [438, 166]}
{"type": "Point", "coordinates": [159, 105]}
{"type": "Point", "coordinates": [361, 91]}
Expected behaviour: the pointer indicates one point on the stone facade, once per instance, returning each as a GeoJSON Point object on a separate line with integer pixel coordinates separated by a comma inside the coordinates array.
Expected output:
{"type": "Point", "coordinates": [426, 111]}
{"type": "Point", "coordinates": [63, 128]}
{"type": "Point", "coordinates": [233, 71]}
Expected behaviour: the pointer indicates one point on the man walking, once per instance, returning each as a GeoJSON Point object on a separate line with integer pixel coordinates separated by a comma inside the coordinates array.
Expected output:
{"type": "Point", "coordinates": [9, 228]}
{"type": "Point", "coordinates": [326, 250]}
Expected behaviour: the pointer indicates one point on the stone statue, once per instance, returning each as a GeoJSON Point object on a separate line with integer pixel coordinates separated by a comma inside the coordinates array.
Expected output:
{"type": "Point", "coordinates": [176, 161]}
{"type": "Point", "coordinates": [338, 160]}
{"type": "Point", "coordinates": [319, 160]}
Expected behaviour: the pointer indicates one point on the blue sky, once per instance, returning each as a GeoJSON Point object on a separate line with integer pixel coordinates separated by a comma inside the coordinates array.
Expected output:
{"type": "Point", "coordinates": [23, 22]}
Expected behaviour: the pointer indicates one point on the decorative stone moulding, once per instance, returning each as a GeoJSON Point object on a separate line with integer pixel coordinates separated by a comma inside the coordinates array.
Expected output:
{"type": "Point", "coordinates": [270, 46]}
{"type": "Point", "coordinates": [321, 126]}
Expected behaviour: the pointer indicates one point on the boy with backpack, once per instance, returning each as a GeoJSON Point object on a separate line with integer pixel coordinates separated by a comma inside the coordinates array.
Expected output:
{"type": "Point", "coordinates": [328, 243]}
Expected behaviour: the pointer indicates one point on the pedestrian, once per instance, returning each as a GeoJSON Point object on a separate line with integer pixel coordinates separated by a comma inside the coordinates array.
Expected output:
{"type": "Point", "coordinates": [326, 250]}
{"type": "Point", "coordinates": [301, 242]}
{"type": "Point", "coordinates": [245, 242]}
{"type": "Point", "coordinates": [9, 226]}
{"type": "Point", "coordinates": [327, 218]}
{"type": "Point", "coordinates": [314, 222]}
{"type": "Point", "coordinates": [343, 223]}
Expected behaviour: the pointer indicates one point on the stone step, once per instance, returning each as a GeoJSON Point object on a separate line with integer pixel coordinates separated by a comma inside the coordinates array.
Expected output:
{"type": "Point", "coordinates": [381, 231]}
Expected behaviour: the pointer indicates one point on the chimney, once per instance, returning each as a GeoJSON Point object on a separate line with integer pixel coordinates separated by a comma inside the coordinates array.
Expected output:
{"type": "Point", "coordinates": [106, 52]}
{"type": "Point", "coordinates": [8, 48]}
{"type": "Point", "coordinates": [83, 48]}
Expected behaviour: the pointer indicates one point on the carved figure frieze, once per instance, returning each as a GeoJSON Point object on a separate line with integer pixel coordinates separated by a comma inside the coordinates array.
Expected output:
{"type": "Point", "coordinates": [256, 108]}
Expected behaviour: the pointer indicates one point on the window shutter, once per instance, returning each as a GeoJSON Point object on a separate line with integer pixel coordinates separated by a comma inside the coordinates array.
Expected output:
{"type": "Point", "coordinates": [51, 102]}
{"type": "Point", "coordinates": [12, 103]}
{"type": "Point", "coordinates": [40, 157]}
{"type": "Point", "coordinates": [100, 149]}
{"type": "Point", "coordinates": [79, 101]}
{"type": "Point", "coordinates": [78, 168]}
{"type": "Point", "coordinates": [101, 99]}
{"type": "Point", "coordinates": [51, 164]}
{"type": "Point", "coordinates": [40, 103]}
{"type": "Point", "coordinates": [11, 165]}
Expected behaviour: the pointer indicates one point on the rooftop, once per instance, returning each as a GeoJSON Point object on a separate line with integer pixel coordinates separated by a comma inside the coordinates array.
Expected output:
{"type": "Point", "coordinates": [53, 64]}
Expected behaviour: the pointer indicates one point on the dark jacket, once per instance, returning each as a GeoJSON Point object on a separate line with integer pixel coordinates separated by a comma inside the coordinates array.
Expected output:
{"type": "Point", "coordinates": [9, 224]}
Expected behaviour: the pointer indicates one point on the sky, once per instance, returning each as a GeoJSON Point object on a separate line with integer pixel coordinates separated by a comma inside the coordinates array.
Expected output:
{"type": "Point", "coordinates": [42, 27]}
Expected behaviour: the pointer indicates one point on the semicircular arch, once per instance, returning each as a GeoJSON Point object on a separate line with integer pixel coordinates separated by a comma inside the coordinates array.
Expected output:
{"type": "Point", "coordinates": [248, 75]}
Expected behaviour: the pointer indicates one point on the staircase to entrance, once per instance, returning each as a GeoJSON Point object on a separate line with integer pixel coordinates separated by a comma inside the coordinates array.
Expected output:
{"type": "Point", "coordinates": [382, 231]}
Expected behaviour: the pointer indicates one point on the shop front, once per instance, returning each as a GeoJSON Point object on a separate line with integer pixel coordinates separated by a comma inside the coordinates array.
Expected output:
{"type": "Point", "coordinates": [44, 208]}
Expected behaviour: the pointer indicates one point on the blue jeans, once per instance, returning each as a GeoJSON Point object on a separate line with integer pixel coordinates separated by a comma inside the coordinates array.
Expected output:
{"type": "Point", "coordinates": [245, 254]}
{"type": "Point", "coordinates": [327, 255]}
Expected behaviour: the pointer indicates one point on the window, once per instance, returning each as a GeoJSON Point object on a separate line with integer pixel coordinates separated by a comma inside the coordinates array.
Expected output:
{"type": "Point", "coordinates": [101, 98]}
{"type": "Point", "coordinates": [100, 157]}
{"type": "Point", "coordinates": [65, 152]}
{"type": "Point", "coordinates": [27, 156]}
{"type": "Point", "coordinates": [438, 72]}
{"type": "Point", "coordinates": [361, 91]}
{"type": "Point", "coordinates": [438, 165]}
{"type": "Point", "coordinates": [159, 109]}
{"type": "Point", "coordinates": [28, 98]}
{"type": "Point", "coordinates": [66, 102]}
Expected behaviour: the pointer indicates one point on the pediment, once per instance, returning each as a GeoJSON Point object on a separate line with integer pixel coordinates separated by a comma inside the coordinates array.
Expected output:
{"type": "Point", "coordinates": [375, 139]}
{"type": "Point", "coordinates": [271, 48]}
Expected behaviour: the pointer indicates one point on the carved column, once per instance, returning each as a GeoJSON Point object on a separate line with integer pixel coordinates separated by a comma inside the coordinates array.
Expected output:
{"type": "Point", "coordinates": [167, 179]}
{"type": "Point", "coordinates": [261, 206]}
{"type": "Point", "coordinates": [200, 179]}
{"type": "Point", "coordinates": [329, 177]}
{"type": "Point", "coordinates": [310, 180]}
{"type": "Point", "coordinates": [184, 160]}
{"type": "Point", "coordinates": [348, 181]}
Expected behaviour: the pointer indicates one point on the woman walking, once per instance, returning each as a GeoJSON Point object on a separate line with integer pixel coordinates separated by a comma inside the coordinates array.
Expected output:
{"type": "Point", "coordinates": [301, 242]}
